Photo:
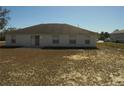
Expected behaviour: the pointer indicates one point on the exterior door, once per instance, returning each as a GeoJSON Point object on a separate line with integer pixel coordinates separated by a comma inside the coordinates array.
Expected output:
{"type": "Point", "coordinates": [37, 41]}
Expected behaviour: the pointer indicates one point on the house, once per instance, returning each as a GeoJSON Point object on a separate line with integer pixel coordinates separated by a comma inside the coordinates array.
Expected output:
{"type": "Point", "coordinates": [51, 35]}
{"type": "Point", "coordinates": [117, 36]}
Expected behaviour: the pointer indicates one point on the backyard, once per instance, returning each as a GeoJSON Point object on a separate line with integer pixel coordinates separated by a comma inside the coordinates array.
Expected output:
{"type": "Point", "coordinates": [34, 66]}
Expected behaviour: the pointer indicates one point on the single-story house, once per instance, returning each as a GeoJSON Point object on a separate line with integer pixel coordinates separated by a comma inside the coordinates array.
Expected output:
{"type": "Point", "coordinates": [117, 36]}
{"type": "Point", "coordinates": [51, 35]}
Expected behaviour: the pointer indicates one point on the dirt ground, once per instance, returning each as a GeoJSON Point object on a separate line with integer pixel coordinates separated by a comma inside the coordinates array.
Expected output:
{"type": "Point", "coordinates": [33, 66]}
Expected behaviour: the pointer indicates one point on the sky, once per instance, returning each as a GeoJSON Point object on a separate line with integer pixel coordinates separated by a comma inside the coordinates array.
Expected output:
{"type": "Point", "coordinates": [94, 18]}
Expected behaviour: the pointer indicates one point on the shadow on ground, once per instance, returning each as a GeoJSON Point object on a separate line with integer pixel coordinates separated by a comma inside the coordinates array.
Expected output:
{"type": "Point", "coordinates": [54, 48]}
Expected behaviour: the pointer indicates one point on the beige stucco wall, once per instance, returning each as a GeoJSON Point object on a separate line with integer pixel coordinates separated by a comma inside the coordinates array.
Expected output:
{"type": "Point", "coordinates": [46, 40]}
{"type": "Point", "coordinates": [117, 37]}
{"type": "Point", "coordinates": [21, 40]}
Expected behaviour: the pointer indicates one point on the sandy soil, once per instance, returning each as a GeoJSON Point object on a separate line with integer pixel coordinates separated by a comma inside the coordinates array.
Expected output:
{"type": "Point", "coordinates": [30, 66]}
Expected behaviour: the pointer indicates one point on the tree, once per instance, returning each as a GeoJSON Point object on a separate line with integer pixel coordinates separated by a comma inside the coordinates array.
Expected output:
{"type": "Point", "coordinates": [103, 35]}
{"type": "Point", "coordinates": [3, 21]}
{"type": "Point", "coordinates": [116, 30]}
{"type": "Point", "coordinates": [3, 17]}
{"type": "Point", "coordinates": [107, 35]}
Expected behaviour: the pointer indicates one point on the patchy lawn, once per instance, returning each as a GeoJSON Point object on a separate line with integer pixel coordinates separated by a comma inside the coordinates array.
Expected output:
{"type": "Point", "coordinates": [32, 66]}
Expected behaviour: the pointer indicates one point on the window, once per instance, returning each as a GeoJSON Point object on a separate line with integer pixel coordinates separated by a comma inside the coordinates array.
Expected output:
{"type": "Point", "coordinates": [13, 39]}
{"type": "Point", "coordinates": [87, 41]}
{"type": "Point", "coordinates": [55, 41]}
{"type": "Point", "coordinates": [72, 42]}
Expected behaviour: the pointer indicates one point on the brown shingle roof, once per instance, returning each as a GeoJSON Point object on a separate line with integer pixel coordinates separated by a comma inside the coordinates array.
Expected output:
{"type": "Point", "coordinates": [52, 29]}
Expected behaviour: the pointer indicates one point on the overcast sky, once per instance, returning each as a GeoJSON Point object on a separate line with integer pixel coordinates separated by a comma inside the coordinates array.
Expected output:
{"type": "Point", "coordinates": [93, 18]}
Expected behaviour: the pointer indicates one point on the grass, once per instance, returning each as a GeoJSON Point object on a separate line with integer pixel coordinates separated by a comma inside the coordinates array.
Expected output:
{"type": "Point", "coordinates": [111, 45]}
{"type": "Point", "coordinates": [32, 66]}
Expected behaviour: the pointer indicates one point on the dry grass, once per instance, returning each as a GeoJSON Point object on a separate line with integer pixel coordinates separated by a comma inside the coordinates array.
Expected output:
{"type": "Point", "coordinates": [25, 66]}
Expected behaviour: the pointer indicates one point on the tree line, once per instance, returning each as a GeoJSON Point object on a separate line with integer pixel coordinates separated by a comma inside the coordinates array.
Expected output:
{"type": "Point", "coordinates": [103, 36]}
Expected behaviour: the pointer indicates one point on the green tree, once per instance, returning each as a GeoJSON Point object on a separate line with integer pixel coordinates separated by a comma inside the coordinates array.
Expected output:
{"type": "Point", "coordinates": [3, 17]}
{"type": "Point", "coordinates": [103, 35]}
{"type": "Point", "coordinates": [107, 35]}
